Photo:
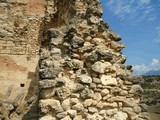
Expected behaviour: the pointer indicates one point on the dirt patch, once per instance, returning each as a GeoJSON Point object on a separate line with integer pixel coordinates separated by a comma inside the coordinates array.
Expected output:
{"type": "Point", "coordinates": [7, 63]}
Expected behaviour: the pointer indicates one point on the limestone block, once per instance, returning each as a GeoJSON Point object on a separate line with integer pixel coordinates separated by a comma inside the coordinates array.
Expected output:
{"type": "Point", "coordinates": [50, 104]}
{"type": "Point", "coordinates": [108, 80]}
{"type": "Point", "coordinates": [47, 83]}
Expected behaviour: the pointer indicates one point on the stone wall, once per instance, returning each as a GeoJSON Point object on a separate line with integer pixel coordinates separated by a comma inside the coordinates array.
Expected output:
{"type": "Point", "coordinates": [82, 71]}
{"type": "Point", "coordinates": [80, 64]}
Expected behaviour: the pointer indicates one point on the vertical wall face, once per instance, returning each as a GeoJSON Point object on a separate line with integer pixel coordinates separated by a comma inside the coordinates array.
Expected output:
{"type": "Point", "coordinates": [81, 67]}
{"type": "Point", "coordinates": [82, 71]}
{"type": "Point", "coordinates": [20, 25]}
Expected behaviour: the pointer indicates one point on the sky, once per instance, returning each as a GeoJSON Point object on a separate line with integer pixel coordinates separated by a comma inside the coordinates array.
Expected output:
{"type": "Point", "coordinates": [138, 22]}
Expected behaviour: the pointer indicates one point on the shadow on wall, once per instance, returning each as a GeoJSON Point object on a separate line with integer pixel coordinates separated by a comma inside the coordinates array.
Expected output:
{"type": "Point", "coordinates": [32, 96]}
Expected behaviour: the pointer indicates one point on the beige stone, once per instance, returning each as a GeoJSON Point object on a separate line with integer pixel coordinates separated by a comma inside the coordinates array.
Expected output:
{"type": "Point", "coordinates": [108, 80]}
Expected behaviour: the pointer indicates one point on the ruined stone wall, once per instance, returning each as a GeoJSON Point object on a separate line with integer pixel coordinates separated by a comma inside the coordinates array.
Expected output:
{"type": "Point", "coordinates": [81, 66]}
{"type": "Point", "coordinates": [82, 71]}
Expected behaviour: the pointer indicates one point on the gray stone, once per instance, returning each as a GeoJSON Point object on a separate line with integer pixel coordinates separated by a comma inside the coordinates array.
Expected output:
{"type": "Point", "coordinates": [87, 93]}
{"type": "Point", "coordinates": [92, 85]}
{"type": "Point", "coordinates": [49, 73]}
{"type": "Point", "coordinates": [53, 33]}
{"type": "Point", "coordinates": [77, 42]}
{"type": "Point", "coordinates": [103, 55]}
{"type": "Point", "coordinates": [44, 54]}
{"type": "Point", "coordinates": [47, 93]}
{"type": "Point", "coordinates": [61, 81]}
{"type": "Point", "coordinates": [77, 64]}
{"type": "Point", "coordinates": [47, 83]}
{"type": "Point", "coordinates": [63, 92]}
{"type": "Point", "coordinates": [85, 78]}
{"type": "Point", "coordinates": [113, 36]}
{"type": "Point", "coordinates": [79, 87]}
{"type": "Point", "coordinates": [93, 57]}
{"type": "Point", "coordinates": [94, 9]}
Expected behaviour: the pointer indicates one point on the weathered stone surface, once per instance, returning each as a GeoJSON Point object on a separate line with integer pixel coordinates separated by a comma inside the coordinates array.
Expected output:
{"type": "Point", "coordinates": [53, 33]}
{"type": "Point", "coordinates": [92, 109]}
{"type": "Point", "coordinates": [94, 117]}
{"type": "Point", "coordinates": [94, 19]}
{"type": "Point", "coordinates": [81, 66]}
{"type": "Point", "coordinates": [87, 93]}
{"type": "Point", "coordinates": [99, 67]}
{"type": "Point", "coordinates": [77, 42]}
{"type": "Point", "coordinates": [120, 116]}
{"type": "Point", "coordinates": [48, 117]}
{"type": "Point", "coordinates": [47, 93]}
{"type": "Point", "coordinates": [67, 118]}
{"type": "Point", "coordinates": [78, 107]}
{"type": "Point", "coordinates": [104, 92]}
{"type": "Point", "coordinates": [50, 104]}
{"type": "Point", "coordinates": [47, 83]}
{"type": "Point", "coordinates": [111, 112]}
{"type": "Point", "coordinates": [108, 80]}
{"type": "Point", "coordinates": [79, 87]}
{"type": "Point", "coordinates": [85, 78]}
{"type": "Point", "coordinates": [136, 89]}
{"type": "Point", "coordinates": [49, 73]}
{"type": "Point", "coordinates": [66, 104]}
{"type": "Point", "coordinates": [72, 113]}
{"type": "Point", "coordinates": [61, 115]}
{"type": "Point", "coordinates": [63, 92]}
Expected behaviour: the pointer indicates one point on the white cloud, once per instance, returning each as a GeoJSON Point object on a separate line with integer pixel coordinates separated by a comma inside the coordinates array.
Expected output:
{"type": "Point", "coordinates": [140, 69]}
{"type": "Point", "coordinates": [133, 11]}
{"type": "Point", "coordinates": [155, 62]}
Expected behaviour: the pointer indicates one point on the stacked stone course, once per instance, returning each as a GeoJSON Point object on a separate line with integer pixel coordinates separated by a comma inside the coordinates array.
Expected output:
{"type": "Point", "coordinates": [81, 66]}
{"type": "Point", "coordinates": [82, 71]}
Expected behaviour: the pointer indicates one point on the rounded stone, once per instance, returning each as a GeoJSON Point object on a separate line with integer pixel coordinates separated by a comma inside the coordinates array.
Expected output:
{"type": "Point", "coordinates": [108, 80]}
{"type": "Point", "coordinates": [85, 78]}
